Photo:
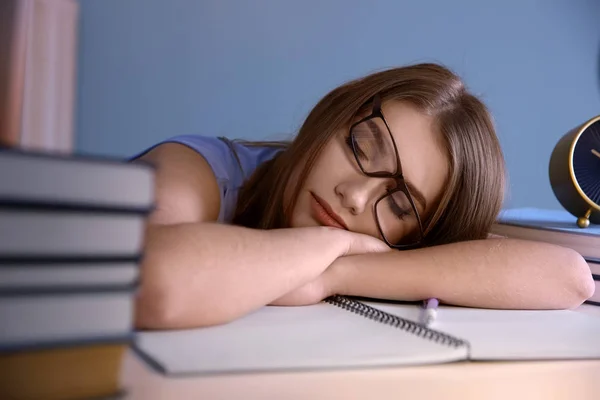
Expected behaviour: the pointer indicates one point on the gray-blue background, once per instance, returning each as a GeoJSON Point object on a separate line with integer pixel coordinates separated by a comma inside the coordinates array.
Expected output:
{"type": "Point", "coordinates": [150, 69]}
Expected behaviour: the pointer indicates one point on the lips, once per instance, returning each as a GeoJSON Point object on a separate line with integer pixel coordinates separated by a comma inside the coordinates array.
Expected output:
{"type": "Point", "coordinates": [324, 214]}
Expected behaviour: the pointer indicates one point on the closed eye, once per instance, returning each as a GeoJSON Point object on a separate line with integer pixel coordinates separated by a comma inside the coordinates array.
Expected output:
{"type": "Point", "coordinates": [361, 154]}
{"type": "Point", "coordinates": [401, 211]}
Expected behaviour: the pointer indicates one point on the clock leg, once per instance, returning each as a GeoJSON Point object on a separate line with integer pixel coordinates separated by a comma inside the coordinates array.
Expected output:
{"type": "Point", "coordinates": [584, 222]}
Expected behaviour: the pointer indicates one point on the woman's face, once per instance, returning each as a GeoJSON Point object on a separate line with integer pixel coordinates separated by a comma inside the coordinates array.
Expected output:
{"type": "Point", "coordinates": [337, 193]}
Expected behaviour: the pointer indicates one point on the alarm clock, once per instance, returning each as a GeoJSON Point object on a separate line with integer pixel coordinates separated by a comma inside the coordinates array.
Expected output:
{"type": "Point", "coordinates": [575, 172]}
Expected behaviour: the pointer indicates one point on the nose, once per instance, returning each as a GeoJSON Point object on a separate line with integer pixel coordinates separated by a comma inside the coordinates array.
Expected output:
{"type": "Point", "coordinates": [358, 195]}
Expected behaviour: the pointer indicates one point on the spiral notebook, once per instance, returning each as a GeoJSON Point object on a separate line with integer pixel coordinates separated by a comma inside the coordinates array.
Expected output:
{"type": "Point", "coordinates": [343, 332]}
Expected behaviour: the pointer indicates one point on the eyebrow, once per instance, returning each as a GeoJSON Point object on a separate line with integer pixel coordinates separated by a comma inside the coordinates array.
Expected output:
{"type": "Point", "coordinates": [416, 194]}
{"type": "Point", "coordinates": [414, 191]}
{"type": "Point", "coordinates": [377, 133]}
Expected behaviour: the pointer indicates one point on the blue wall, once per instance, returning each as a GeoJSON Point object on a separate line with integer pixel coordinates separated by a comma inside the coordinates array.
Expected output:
{"type": "Point", "coordinates": [149, 69]}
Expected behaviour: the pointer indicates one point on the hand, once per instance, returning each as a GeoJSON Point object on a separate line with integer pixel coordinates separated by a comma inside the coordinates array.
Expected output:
{"type": "Point", "coordinates": [324, 285]}
{"type": "Point", "coordinates": [310, 293]}
{"type": "Point", "coordinates": [359, 243]}
{"type": "Point", "coordinates": [330, 282]}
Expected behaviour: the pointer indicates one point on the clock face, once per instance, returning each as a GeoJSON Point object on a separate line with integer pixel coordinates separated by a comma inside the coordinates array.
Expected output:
{"type": "Point", "coordinates": [586, 162]}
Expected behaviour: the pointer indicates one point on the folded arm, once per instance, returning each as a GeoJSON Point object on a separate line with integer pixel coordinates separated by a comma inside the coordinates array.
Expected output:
{"type": "Point", "coordinates": [197, 272]}
{"type": "Point", "coordinates": [493, 273]}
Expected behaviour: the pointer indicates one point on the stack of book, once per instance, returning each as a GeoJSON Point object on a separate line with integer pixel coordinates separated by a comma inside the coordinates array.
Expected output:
{"type": "Point", "coordinates": [71, 239]}
{"type": "Point", "coordinates": [557, 227]}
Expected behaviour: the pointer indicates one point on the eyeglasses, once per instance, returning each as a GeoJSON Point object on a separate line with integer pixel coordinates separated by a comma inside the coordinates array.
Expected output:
{"type": "Point", "coordinates": [377, 156]}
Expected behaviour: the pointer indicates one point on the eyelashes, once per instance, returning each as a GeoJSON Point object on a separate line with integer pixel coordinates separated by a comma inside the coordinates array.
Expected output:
{"type": "Point", "coordinates": [359, 152]}
{"type": "Point", "coordinates": [399, 211]}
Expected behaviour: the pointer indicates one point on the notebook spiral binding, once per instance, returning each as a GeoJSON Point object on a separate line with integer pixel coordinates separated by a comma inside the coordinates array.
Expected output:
{"type": "Point", "coordinates": [386, 318]}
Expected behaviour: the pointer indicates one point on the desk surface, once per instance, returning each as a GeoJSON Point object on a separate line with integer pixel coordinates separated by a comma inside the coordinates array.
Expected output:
{"type": "Point", "coordinates": [464, 380]}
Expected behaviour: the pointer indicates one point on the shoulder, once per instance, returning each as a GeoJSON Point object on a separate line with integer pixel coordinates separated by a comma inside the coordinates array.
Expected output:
{"type": "Point", "coordinates": [199, 177]}
{"type": "Point", "coordinates": [213, 150]}
{"type": "Point", "coordinates": [231, 161]}
{"type": "Point", "coordinates": [186, 187]}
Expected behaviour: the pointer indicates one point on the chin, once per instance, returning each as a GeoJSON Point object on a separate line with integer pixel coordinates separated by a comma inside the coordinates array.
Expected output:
{"type": "Point", "coordinates": [301, 219]}
{"type": "Point", "coordinates": [299, 222]}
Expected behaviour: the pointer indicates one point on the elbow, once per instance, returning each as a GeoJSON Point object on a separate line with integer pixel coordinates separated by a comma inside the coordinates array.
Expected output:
{"type": "Point", "coordinates": [167, 299]}
{"type": "Point", "coordinates": [162, 309]}
{"type": "Point", "coordinates": [152, 311]}
{"type": "Point", "coordinates": [165, 302]}
{"type": "Point", "coordinates": [579, 283]}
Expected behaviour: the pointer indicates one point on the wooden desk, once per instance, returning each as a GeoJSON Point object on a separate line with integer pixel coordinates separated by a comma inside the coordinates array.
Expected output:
{"type": "Point", "coordinates": [572, 380]}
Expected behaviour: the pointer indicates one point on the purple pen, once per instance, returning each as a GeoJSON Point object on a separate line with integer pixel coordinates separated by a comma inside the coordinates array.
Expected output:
{"type": "Point", "coordinates": [429, 311]}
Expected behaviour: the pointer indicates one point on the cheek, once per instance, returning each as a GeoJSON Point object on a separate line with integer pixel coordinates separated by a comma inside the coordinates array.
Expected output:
{"type": "Point", "coordinates": [336, 164]}
{"type": "Point", "coordinates": [331, 167]}
{"type": "Point", "coordinates": [301, 214]}
{"type": "Point", "coordinates": [326, 170]}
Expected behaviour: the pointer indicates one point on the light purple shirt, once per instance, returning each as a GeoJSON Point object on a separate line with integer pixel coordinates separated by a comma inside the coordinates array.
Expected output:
{"type": "Point", "coordinates": [230, 173]}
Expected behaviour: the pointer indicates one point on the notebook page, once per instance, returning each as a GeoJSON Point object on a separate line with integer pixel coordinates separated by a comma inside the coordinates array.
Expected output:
{"type": "Point", "coordinates": [285, 338]}
{"type": "Point", "coordinates": [516, 334]}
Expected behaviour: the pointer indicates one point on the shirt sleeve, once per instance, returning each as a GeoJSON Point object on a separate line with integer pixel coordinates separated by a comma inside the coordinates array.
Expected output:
{"type": "Point", "coordinates": [223, 163]}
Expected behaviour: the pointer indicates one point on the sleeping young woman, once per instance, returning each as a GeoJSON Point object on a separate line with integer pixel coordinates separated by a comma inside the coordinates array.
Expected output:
{"type": "Point", "coordinates": [388, 191]}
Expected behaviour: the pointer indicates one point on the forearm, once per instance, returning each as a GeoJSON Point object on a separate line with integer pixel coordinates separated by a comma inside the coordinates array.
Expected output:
{"type": "Point", "coordinates": [204, 273]}
{"type": "Point", "coordinates": [494, 273]}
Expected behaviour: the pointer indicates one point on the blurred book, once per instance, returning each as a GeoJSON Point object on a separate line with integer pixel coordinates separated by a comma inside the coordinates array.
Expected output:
{"type": "Point", "coordinates": [595, 299]}
{"type": "Point", "coordinates": [76, 372]}
{"type": "Point", "coordinates": [551, 226]}
{"type": "Point", "coordinates": [56, 274]}
{"type": "Point", "coordinates": [594, 266]}
{"type": "Point", "coordinates": [71, 239]}
{"type": "Point", "coordinates": [40, 318]}
{"type": "Point", "coordinates": [30, 178]}
{"type": "Point", "coordinates": [26, 233]}
{"type": "Point", "coordinates": [595, 269]}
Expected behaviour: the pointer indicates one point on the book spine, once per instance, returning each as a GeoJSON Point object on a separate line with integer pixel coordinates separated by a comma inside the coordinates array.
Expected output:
{"type": "Point", "coordinates": [16, 204]}
{"type": "Point", "coordinates": [66, 260]}
{"type": "Point", "coordinates": [23, 259]}
{"type": "Point", "coordinates": [126, 338]}
{"type": "Point", "coordinates": [74, 159]}
{"type": "Point", "coordinates": [67, 290]}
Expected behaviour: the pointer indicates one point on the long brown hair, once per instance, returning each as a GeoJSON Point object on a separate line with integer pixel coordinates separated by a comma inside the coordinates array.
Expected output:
{"type": "Point", "coordinates": [475, 188]}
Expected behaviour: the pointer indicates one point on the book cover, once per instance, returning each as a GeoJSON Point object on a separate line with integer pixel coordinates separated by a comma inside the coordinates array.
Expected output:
{"type": "Point", "coordinates": [551, 226]}
{"type": "Point", "coordinates": [555, 220]}
{"type": "Point", "coordinates": [31, 178]}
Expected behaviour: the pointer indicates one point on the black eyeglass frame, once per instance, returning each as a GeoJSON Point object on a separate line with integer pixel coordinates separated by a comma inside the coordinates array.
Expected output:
{"type": "Point", "coordinates": [397, 175]}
